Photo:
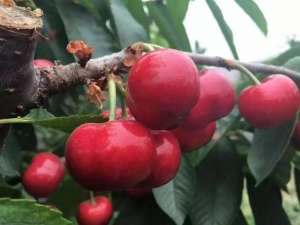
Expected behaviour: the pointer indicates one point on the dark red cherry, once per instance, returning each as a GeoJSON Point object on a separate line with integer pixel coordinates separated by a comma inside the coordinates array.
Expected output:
{"type": "Point", "coordinates": [95, 213]}
{"type": "Point", "coordinates": [271, 103]}
{"type": "Point", "coordinates": [110, 156]}
{"type": "Point", "coordinates": [216, 99]}
{"type": "Point", "coordinates": [167, 161]}
{"type": "Point", "coordinates": [194, 138]}
{"type": "Point", "coordinates": [138, 192]}
{"type": "Point", "coordinates": [43, 176]}
{"type": "Point", "coordinates": [162, 88]}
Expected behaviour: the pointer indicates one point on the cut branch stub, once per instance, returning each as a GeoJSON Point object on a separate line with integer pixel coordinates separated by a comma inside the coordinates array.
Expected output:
{"type": "Point", "coordinates": [18, 37]}
{"type": "Point", "coordinates": [20, 18]}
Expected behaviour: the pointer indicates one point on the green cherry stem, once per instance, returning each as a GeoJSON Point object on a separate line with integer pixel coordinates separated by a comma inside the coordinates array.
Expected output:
{"type": "Point", "coordinates": [122, 93]}
{"type": "Point", "coordinates": [148, 47]}
{"type": "Point", "coordinates": [92, 197]}
{"type": "Point", "coordinates": [243, 69]}
{"type": "Point", "coordinates": [112, 97]}
{"type": "Point", "coordinates": [123, 106]}
{"type": "Point", "coordinates": [110, 196]}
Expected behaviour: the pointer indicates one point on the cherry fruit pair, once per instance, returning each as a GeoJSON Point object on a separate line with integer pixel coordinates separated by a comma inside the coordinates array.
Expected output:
{"type": "Point", "coordinates": [166, 91]}
{"type": "Point", "coordinates": [121, 154]}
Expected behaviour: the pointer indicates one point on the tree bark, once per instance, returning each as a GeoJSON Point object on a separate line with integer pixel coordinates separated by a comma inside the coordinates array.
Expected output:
{"type": "Point", "coordinates": [18, 38]}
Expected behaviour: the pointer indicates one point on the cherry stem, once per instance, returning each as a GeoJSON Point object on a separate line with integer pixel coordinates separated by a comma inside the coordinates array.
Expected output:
{"type": "Point", "coordinates": [112, 97]}
{"type": "Point", "coordinates": [148, 47]}
{"type": "Point", "coordinates": [123, 106]}
{"type": "Point", "coordinates": [243, 69]}
{"type": "Point", "coordinates": [92, 197]}
{"type": "Point", "coordinates": [110, 196]}
{"type": "Point", "coordinates": [122, 93]}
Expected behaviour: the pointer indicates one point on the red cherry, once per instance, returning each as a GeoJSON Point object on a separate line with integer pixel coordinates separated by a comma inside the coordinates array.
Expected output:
{"type": "Point", "coordinates": [42, 63]}
{"type": "Point", "coordinates": [192, 139]}
{"type": "Point", "coordinates": [97, 213]}
{"type": "Point", "coordinates": [138, 192]}
{"type": "Point", "coordinates": [296, 137]}
{"type": "Point", "coordinates": [110, 156]}
{"type": "Point", "coordinates": [216, 99]}
{"type": "Point", "coordinates": [162, 88]}
{"type": "Point", "coordinates": [167, 160]}
{"type": "Point", "coordinates": [271, 103]}
{"type": "Point", "coordinates": [43, 176]}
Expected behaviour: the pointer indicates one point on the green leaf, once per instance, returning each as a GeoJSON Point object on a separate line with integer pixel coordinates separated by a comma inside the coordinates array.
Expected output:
{"type": "Point", "coordinates": [49, 138]}
{"type": "Point", "coordinates": [178, 9]}
{"type": "Point", "coordinates": [175, 197]}
{"type": "Point", "coordinates": [90, 6]}
{"type": "Point", "coordinates": [293, 64]}
{"type": "Point", "coordinates": [296, 160]}
{"type": "Point", "coordinates": [173, 31]}
{"type": "Point", "coordinates": [103, 8]}
{"type": "Point", "coordinates": [220, 184]}
{"type": "Point", "coordinates": [240, 219]}
{"type": "Point", "coordinates": [283, 57]}
{"type": "Point", "coordinates": [8, 190]}
{"type": "Point", "coordinates": [81, 25]}
{"type": "Point", "coordinates": [143, 211]}
{"type": "Point", "coordinates": [68, 197]}
{"type": "Point", "coordinates": [266, 203]}
{"type": "Point", "coordinates": [43, 118]}
{"type": "Point", "coordinates": [297, 182]}
{"type": "Point", "coordinates": [54, 28]}
{"type": "Point", "coordinates": [217, 13]}
{"type": "Point", "coordinates": [223, 126]}
{"type": "Point", "coordinates": [268, 147]}
{"type": "Point", "coordinates": [136, 8]}
{"type": "Point", "coordinates": [10, 157]}
{"type": "Point", "coordinates": [25, 135]}
{"type": "Point", "coordinates": [128, 29]}
{"type": "Point", "coordinates": [251, 8]}
{"type": "Point", "coordinates": [27, 212]}
{"type": "Point", "coordinates": [282, 172]}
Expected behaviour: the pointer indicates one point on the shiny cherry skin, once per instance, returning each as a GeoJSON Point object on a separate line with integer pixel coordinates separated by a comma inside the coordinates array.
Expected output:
{"type": "Point", "coordinates": [194, 138]}
{"type": "Point", "coordinates": [42, 63]}
{"type": "Point", "coordinates": [167, 161]}
{"type": "Point", "coordinates": [95, 213]}
{"type": "Point", "coordinates": [216, 99]}
{"type": "Point", "coordinates": [43, 176]}
{"type": "Point", "coordinates": [296, 137]}
{"type": "Point", "coordinates": [110, 156]}
{"type": "Point", "coordinates": [162, 88]}
{"type": "Point", "coordinates": [137, 192]}
{"type": "Point", "coordinates": [271, 103]}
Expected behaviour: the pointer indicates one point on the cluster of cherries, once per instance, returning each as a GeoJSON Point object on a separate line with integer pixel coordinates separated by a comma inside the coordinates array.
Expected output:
{"type": "Point", "coordinates": [173, 109]}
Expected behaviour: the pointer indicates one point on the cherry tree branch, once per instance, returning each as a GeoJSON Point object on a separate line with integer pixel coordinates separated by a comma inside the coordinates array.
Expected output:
{"type": "Point", "coordinates": [253, 67]}
{"type": "Point", "coordinates": [62, 77]}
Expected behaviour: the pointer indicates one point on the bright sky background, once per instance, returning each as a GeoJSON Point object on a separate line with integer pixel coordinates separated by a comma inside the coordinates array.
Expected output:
{"type": "Point", "coordinates": [283, 17]}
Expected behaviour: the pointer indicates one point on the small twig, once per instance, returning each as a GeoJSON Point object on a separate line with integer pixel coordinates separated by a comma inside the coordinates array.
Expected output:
{"type": "Point", "coordinates": [253, 67]}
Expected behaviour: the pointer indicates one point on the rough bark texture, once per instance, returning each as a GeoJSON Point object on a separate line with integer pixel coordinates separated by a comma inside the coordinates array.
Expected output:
{"type": "Point", "coordinates": [17, 47]}
{"type": "Point", "coordinates": [18, 38]}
